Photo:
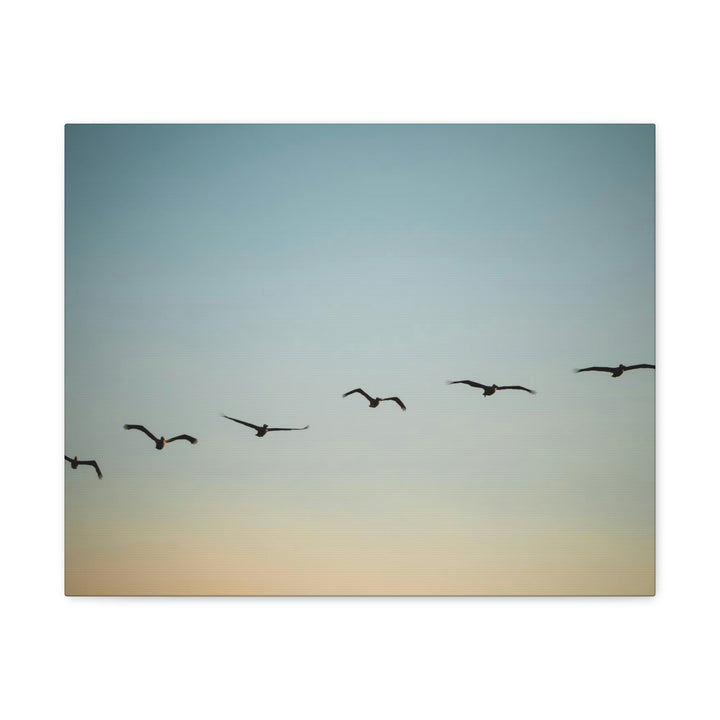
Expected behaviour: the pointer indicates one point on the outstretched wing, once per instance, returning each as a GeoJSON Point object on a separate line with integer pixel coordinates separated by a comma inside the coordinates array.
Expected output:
{"type": "Point", "coordinates": [242, 422]}
{"type": "Point", "coordinates": [397, 400]}
{"type": "Point", "coordinates": [68, 459]}
{"type": "Point", "coordinates": [142, 428]}
{"type": "Point", "coordinates": [517, 387]}
{"type": "Point", "coordinates": [94, 464]}
{"type": "Point", "coordinates": [357, 390]}
{"type": "Point", "coordinates": [189, 438]}
{"type": "Point", "coordinates": [468, 382]}
{"type": "Point", "coordinates": [274, 429]}
{"type": "Point", "coordinates": [599, 369]}
{"type": "Point", "coordinates": [635, 367]}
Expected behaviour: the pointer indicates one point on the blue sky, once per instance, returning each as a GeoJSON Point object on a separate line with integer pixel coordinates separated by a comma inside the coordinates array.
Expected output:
{"type": "Point", "coordinates": [261, 271]}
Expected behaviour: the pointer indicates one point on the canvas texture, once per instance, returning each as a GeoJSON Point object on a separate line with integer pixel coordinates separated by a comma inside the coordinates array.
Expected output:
{"type": "Point", "coordinates": [360, 360]}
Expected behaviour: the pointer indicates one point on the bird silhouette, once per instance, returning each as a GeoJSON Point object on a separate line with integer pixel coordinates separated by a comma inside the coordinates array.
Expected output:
{"type": "Point", "coordinates": [160, 442]}
{"type": "Point", "coordinates": [374, 402]}
{"type": "Point", "coordinates": [74, 462]}
{"type": "Point", "coordinates": [262, 430]}
{"type": "Point", "coordinates": [616, 371]}
{"type": "Point", "coordinates": [490, 389]}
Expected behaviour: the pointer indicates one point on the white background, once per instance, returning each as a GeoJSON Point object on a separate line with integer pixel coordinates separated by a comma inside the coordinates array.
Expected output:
{"type": "Point", "coordinates": [358, 658]}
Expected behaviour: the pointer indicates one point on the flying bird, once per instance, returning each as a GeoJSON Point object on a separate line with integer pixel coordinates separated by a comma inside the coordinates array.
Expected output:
{"type": "Point", "coordinates": [374, 402]}
{"type": "Point", "coordinates": [74, 462]}
{"type": "Point", "coordinates": [491, 389]}
{"type": "Point", "coordinates": [260, 431]}
{"type": "Point", "coordinates": [160, 442]}
{"type": "Point", "coordinates": [616, 371]}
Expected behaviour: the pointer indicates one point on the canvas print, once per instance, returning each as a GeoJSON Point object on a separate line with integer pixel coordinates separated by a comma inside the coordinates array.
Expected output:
{"type": "Point", "coordinates": [359, 359]}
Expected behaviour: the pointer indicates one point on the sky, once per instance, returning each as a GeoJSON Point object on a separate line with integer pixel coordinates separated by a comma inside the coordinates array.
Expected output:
{"type": "Point", "coordinates": [261, 271]}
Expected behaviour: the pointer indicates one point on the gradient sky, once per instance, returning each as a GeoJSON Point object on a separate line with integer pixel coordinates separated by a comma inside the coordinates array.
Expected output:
{"type": "Point", "coordinates": [262, 271]}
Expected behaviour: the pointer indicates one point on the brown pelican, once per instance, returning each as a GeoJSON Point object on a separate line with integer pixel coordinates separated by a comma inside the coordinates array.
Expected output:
{"type": "Point", "coordinates": [374, 402]}
{"type": "Point", "coordinates": [616, 371]}
{"type": "Point", "coordinates": [490, 389]}
{"type": "Point", "coordinates": [74, 462]}
{"type": "Point", "coordinates": [264, 430]}
{"type": "Point", "coordinates": [161, 442]}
